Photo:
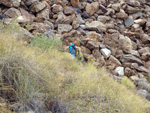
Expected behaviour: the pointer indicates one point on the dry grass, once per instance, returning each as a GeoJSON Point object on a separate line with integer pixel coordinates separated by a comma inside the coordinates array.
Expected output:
{"type": "Point", "coordinates": [52, 80]}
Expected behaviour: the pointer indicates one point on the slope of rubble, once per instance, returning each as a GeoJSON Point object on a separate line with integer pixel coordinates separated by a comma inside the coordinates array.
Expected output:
{"type": "Point", "coordinates": [110, 33]}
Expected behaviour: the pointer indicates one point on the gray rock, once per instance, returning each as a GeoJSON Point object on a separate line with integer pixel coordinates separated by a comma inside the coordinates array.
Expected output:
{"type": "Point", "coordinates": [137, 15]}
{"type": "Point", "coordinates": [131, 58]}
{"type": "Point", "coordinates": [39, 27]}
{"type": "Point", "coordinates": [120, 71]}
{"type": "Point", "coordinates": [103, 18]}
{"type": "Point", "coordinates": [125, 43]}
{"type": "Point", "coordinates": [96, 53]}
{"type": "Point", "coordinates": [10, 3]}
{"type": "Point", "coordinates": [142, 1]}
{"type": "Point", "coordinates": [106, 52]}
{"type": "Point", "coordinates": [93, 45]}
{"type": "Point", "coordinates": [30, 2]}
{"type": "Point", "coordinates": [143, 69]}
{"type": "Point", "coordinates": [134, 78]}
{"type": "Point", "coordinates": [64, 28]}
{"type": "Point", "coordinates": [80, 19]}
{"type": "Point", "coordinates": [134, 3]}
{"type": "Point", "coordinates": [129, 22]}
{"type": "Point", "coordinates": [44, 14]}
{"type": "Point", "coordinates": [116, 7]}
{"type": "Point", "coordinates": [132, 10]}
{"type": "Point", "coordinates": [57, 8]}
{"type": "Point", "coordinates": [68, 10]}
{"type": "Point", "coordinates": [117, 78]}
{"type": "Point", "coordinates": [145, 38]}
{"type": "Point", "coordinates": [37, 7]}
{"type": "Point", "coordinates": [142, 92]}
{"type": "Point", "coordinates": [85, 15]}
{"type": "Point", "coordinates": [85, 50]}
{"type": "Point", "coordinates": [12, 13]}
{"type": "Point", "coordinates": [142, 84]}
{"type": "Point", "coordinates": [112, 59]}
{"type": "Point", "coordinates": [96, 26]}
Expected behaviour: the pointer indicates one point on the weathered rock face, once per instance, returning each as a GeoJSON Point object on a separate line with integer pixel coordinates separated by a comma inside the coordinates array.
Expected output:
{"type": "Point", "coordinates": [37, 7]}
{"type": "Point", "coordinates": [92, 8]}
{"type": "Point", "coordinates": [64, 28]}
{"type": "Point", "coordinates": [10, 3]}
{"type": "Point", "coordinates": [75, 3]}
{"type": "Point", "coordinates": [111, 33]}
{"type": "Point", "coordinates": [131, 58]}
{"type": "Point", "coordinates": [57, 8]}
{"type": "Point", "coordinates": [125, 43]}
{"type": "Point", "coordinates": [12, 13]}
{"type": "Point", "coordinates": [96, 26]}
{"type": "Point", "coordinates": [30, 2]}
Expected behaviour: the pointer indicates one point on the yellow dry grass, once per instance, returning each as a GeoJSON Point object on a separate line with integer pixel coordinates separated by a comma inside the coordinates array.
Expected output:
{"type": "Point", "coordinates": [82, 89]}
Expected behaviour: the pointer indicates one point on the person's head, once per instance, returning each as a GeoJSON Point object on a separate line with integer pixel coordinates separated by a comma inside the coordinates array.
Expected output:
{"type": "Point", "coordinates": [70, 43]}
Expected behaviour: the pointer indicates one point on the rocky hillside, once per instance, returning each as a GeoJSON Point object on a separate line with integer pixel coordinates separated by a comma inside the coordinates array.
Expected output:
{"type": "Point", "coordinates": [110, 33]}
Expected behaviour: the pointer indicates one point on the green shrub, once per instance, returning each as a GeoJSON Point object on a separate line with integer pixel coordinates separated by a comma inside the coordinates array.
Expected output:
{"type": "Point", "coordinates": [11, 28]}
{"type": "Point", "coordinates": [47, 43]}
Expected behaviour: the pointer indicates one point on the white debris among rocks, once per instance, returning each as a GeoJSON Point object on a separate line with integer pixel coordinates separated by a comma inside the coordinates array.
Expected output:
{"type": "Point", "coordinates": [120, 70]}
{"type": "Point", "coordinates": [106, 52]}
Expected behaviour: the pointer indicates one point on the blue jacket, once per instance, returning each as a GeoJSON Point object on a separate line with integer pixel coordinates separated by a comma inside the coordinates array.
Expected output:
{"type": "Point", "coordinates": [72, 49]}
{"type": "Point", "coordinates": [2, 16]}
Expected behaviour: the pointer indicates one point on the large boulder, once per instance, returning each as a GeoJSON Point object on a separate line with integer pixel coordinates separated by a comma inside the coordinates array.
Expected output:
{"type": "Point", "coordinates": [103, 18]}
{"type": "Point", "coordinates": [75, 3]}
{"type": "Point", "coordinates": [131, 10]}
{"type": "Point", "coordinates": [134, 3]}
{"type": "Point", "coordinates": [44, 14]}
{"type": "Point", "coordinates": [122, 15]}
{"type": "Point", "coordinates": [96, 53]}
{"type": "Point", "coordinates": [85, 50]}
{"type": "Point", "coordinates": [93, 45]}
{"type": "Point", "coordinates": [25, 16]}
{"type": "Point", "coordinates": [10, 3]}
{"type": "Point", "coordinates": [12, 13]}
{"type": "Point", "coordinates": [95, 36]}
{"type": "Point", "coordinates": [125, 44]}
{"type": "Point", "coordinates": [64, 28]}
{"type": "Point", "coordinates": [30, 2]}
{"type": "Point", "coordinates": [131, 58]}
{"type": "Point", "coordinates": [68, 10]}
{"type": "Point", "coordinates": [96, 26]}
{"type": "Point", "coordinates": [57, 8]}
{"type": "Point", "coordinates": [37, 7]}
{"type": "Point", "coordinates": [39, 27]}
{"type": "Point", "coordinates": [92, 8]}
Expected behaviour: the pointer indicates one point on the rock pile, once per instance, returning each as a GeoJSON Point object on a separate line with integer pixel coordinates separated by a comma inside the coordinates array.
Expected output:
{"type": "Point", "coordinates": [110, 33]}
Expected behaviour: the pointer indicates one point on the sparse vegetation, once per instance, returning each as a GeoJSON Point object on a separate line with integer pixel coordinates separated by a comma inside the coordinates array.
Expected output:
{"type": "Point", "coordinates": [128, 83]}
{"type": "Point", "coordinates": [38, 79]}
{"type": "Point", "coordinates": [42, 41]}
